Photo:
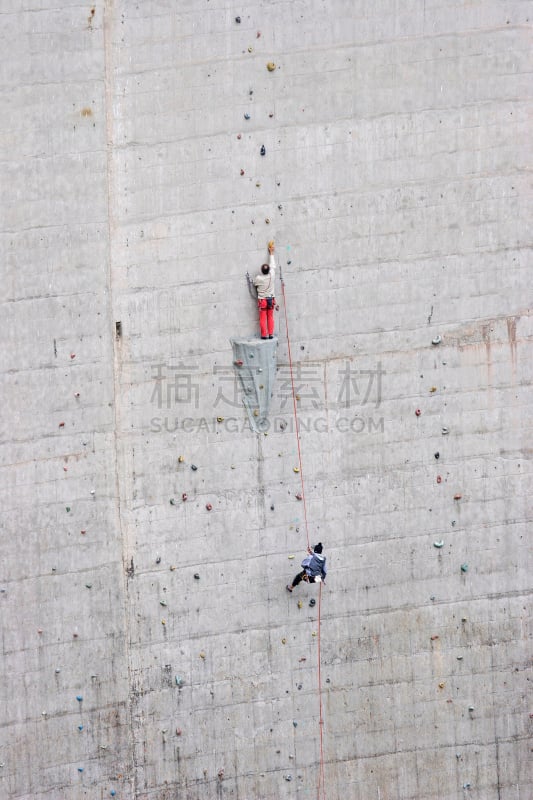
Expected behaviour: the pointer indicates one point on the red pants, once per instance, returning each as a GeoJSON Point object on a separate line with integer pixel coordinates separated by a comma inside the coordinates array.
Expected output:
{"type": "Point", "coordinates": [266, 318]}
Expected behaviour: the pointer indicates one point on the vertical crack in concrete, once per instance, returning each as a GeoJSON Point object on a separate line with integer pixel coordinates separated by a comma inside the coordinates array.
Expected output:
{"type": "Point", "coordinates": [108, 16]}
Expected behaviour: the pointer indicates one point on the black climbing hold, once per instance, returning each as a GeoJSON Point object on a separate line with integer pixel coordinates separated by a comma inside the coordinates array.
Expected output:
{"type": "Point", "coordinates": [238, 20]}
{"type": "Point", "coordinates": [194, 467]}
{"type": "Point", "coordinates": [158, 560]}
{"type": "Point", "coordinates": [196, 576]}
{"type": "Point", "coordinates": [272, 507]}
{"type": "Point", "coordinates": [246, 116]}
{"type": "Point", "coordinates": [437, 456]}
{"type": "Point", "coordinates": [263, 150]}
{"type": "Point", "coordinates": [312, 602]}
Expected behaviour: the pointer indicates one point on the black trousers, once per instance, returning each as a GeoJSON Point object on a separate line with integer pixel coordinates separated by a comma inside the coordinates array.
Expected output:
{"type": "Point", "coordinates": [298, 578]}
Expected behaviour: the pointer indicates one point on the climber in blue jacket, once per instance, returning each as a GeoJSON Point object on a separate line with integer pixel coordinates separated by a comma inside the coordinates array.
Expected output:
{"type": "Point", "coordinates": [314, 568]}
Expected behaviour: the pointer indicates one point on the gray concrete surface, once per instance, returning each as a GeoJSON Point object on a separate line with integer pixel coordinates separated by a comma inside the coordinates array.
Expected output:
{"type": "Point", "coordinates": [395, 183]}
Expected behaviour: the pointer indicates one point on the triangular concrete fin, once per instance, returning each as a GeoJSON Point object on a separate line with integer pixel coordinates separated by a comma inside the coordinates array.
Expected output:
{"type": "Point", "coordinates": [255, 362]}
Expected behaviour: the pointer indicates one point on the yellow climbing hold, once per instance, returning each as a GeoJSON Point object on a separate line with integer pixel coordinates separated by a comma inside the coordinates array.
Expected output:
{"type": "Point", "coordinates": [296, 469]}
{"type": "Point", "coordinates": [433, 389]}
{"type": "Point", "coordinates": [202, 655]}
{"type": "Point", "coordinates": [181, 459]}
{"type": "Point", "coordinates": [284, 641]}
{"type": "Point", "coordinates": [163, 622]}
{"type": "Point", "coordinates": [271, 66]}
{"type": "Point", "coordinates": [290, 557]}
{"type": "Point", "coordinates": [300, 604]}
{"type": "Point", "coordinates": [220, 419]}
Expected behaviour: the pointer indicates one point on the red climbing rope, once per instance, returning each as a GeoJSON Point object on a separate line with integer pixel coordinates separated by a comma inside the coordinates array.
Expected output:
{"type": "Point", "coordinates": [321, 787]}
{"type": "Point", "coordinates": [321, 775]}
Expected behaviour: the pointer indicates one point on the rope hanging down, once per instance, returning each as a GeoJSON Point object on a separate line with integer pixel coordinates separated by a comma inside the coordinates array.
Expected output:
{"type": "Point", "coordinates": [321, 787]}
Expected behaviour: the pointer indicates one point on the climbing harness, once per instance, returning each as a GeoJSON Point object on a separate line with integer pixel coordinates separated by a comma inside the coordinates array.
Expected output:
{"type": "Point", "coordinates": [321, 784]}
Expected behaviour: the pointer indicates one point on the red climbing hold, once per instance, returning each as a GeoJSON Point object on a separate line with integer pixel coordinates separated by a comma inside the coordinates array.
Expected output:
{"type": "Point", "coordinates": [418, 412]}
{"type": "Point", "coordinates": [439, 479]}
{"type": "Point", "coordinates": [73, 355]}
{"type": "Point", "coordinates": [61, 424]}
{"type": "Point", "coordinates": [457, 496]}
{"type": "Point", "coordinates": [208, 506]}
{"type": "Point", "coordinates": [238, 363]}
{"type": "Point", "coordinates": [299, 496]}
{"type": "Point", "coordinates": [184, 496]}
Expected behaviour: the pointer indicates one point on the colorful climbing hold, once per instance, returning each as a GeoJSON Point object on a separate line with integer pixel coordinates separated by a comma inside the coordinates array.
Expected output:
{"type": "Point", "coordinates": [464, 567]}
{"type": "Point", "coordinates": [299, 496]}
{"type": "Point", "coordinates": [418, 412]}
{"type": "Point", "coordinates": [457, 496]}
{"type": "Point", "coordinates": [61, 424]}
{"type": "Point", "coordinates": [208, 506]}
{"type": "Point", "coordinates": [184, 496]}
{"type": "Point", "coordinates": [439, 544]}
{"type": "Point", "coordinates": [271, 66]}
{"type": "Point", "coordinates": [296, 469]}
{"type": "Point", "coordinates": [439, 479]}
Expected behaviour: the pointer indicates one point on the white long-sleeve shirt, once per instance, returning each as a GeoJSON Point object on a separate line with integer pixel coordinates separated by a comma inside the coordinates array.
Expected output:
{"type": "Point", "coordinates": [265, 284]}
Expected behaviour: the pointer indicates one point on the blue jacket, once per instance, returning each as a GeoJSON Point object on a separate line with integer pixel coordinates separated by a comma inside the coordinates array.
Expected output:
{"type": "Point", "coordinates": [315, 565]}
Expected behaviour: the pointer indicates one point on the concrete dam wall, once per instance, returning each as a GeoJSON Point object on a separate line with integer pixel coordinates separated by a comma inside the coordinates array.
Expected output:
{"type": "Point", "coordinates": [149, 151]}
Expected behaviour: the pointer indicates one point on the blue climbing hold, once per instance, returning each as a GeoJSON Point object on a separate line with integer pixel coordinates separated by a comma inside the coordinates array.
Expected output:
{"type": "Point", "coordinates": [80, 769]}
{"type": "Point", "coordinates": [79, 698]}
{"type": "Point", "coordinates": [112, 793]}
{"type": "Point", "coordinates": [80, 727]}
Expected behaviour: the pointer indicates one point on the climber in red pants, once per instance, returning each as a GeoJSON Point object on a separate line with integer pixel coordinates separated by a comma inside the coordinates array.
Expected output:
{"type": "Point", "coordinates": [266, 300]}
